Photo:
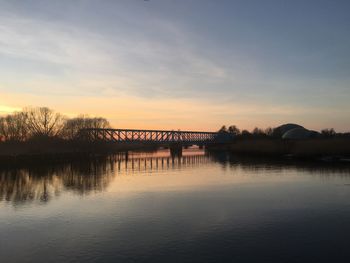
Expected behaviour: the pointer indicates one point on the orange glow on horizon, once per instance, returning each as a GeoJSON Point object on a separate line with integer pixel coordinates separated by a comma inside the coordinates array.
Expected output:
{"type": "Point", "coordinates": [168, 114]}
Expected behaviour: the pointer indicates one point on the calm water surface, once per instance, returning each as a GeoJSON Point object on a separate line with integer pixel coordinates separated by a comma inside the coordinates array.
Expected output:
{"type": "Point", "coordinates": [150, 207]}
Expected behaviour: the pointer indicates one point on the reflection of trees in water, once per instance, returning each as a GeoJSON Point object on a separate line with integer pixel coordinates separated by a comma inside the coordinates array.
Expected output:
{"type": "Point", "coordinates": [88, 176]}
{"type": "Point", "coordinates": [19, 185]}
{"type": "Point", "coordinates": [43, 182]}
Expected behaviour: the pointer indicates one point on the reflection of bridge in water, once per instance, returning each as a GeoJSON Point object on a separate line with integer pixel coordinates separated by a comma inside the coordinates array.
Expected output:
{"type": "Point", "coordinates": [149, 163]}
{"type": "Point", "coordinates": [44, 182]}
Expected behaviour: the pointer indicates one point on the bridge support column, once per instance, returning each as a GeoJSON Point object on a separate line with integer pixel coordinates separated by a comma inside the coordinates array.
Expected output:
{"type": "Point", "coordinates": [176, 150]}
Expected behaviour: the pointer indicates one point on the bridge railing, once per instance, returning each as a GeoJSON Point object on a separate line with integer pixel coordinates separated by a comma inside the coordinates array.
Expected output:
{"type": "Point", "coordinates": [147, 136]}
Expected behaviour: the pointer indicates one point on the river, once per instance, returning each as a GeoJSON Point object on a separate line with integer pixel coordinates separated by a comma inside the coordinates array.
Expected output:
{"type": "Point", "coordinates": [150, 207]}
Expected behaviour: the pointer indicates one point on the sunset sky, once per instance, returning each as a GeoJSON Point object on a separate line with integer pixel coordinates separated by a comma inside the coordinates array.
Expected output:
{"type": "Point", "coordinates": [181, 64]}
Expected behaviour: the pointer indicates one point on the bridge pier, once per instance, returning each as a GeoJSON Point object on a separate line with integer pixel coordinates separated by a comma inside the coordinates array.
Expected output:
{"type": "Point", "coordinates": [176, 150]}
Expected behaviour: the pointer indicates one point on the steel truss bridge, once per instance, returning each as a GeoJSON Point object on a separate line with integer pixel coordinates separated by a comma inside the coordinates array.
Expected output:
{"type": "Point", "coordinates": [158, 137]}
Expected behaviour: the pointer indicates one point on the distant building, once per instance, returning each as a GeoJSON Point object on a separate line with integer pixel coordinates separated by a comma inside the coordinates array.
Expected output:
{"type": "Point", "coordinates": [294, 131]}
{"type": "Point", "coordinates": [300, 133]}
{"type": "Point", "coordinates": [281, 130]}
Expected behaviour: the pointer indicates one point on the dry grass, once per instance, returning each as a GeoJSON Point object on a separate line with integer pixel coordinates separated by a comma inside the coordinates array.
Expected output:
{"type": "Point", "coordinates": [259, 146]}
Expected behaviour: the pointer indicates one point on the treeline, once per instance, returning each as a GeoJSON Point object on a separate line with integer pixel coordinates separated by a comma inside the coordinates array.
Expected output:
{"type": "Point", "coordinates": [273, 132]}
{"type": "Point", "coordinates": [43, 123]}
{"type": "Point", "coordinates": [256, 132]}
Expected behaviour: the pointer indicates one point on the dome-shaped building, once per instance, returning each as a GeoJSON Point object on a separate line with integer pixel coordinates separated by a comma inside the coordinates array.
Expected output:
{"type": "Point", "coordinates": [299, 133]}
{"type": "Point", "coordinates": [281, 130]}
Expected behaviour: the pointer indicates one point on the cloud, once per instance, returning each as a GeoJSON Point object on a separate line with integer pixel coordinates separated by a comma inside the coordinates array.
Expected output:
{"type": "Point", "coordinates": [164, 61]}
{"type": "Point", "coordinates": [144, 66]}
{"type": "Point", "coordinates": [146, 69]}
{"type": "Point", "coordinates": [49, 42]}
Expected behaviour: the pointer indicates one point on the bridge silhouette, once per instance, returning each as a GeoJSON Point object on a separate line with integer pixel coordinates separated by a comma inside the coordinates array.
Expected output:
{"type": "Point", "coordinates": [175, 140]}
{"type": "Point", "coordinates": [149, 136]}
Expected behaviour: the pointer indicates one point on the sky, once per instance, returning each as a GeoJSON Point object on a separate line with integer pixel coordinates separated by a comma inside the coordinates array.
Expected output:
{"type": "Point", "coordinates": [179, 64]}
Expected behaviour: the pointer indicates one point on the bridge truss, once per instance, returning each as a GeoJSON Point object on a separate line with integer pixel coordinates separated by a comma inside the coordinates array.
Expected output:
{"type": "Point", "coordinates": [148, 136]}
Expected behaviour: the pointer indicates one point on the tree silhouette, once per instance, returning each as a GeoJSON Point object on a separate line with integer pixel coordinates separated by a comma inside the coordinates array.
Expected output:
{"type": "Point", "coordinates": [328, 132]}
{"type": "Point", "coordinates": [73, 126]}
{"type": "Point", "coordinates": [14, 127]}
{"type": "Point", "coordinates": [223, 129]}
{"type": "Point", "coordinates": [233, 130]}
{"type": "Point", "coordinates": [44, 122]}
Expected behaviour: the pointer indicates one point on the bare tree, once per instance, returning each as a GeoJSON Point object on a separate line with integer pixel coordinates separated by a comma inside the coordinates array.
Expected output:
{"type": "Point", "coordinates": [14, 127]}
{"type": "Point", "coordinates": [2, 129]}
{"type": "Point", "coordinates": [328, 132]}
{"type": "Point", "coordinates": [98, 123]}
{"type": "Point", "coordinates": [223, 129]}
{"type": "Point", "coordinates": [73, 126]}
{"type": "Point", "coordinates": [258, 132]}
{"type": "Point", "coordinates": [233, 130]}
{"type": "Point", "coordinates": [44, 122]}
{"type": "Point", "coordinates": [245, 133]}
{"type": "Point", "coordinates": [269, 131]}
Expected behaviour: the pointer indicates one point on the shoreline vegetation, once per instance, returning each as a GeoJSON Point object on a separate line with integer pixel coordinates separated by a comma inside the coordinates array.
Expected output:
{"type": "Point", "coordinates": [288, 141]}
{"type": "Point", "coordinates": [43, 134]}
{"type": "Point", "coordinates": [316, 148]}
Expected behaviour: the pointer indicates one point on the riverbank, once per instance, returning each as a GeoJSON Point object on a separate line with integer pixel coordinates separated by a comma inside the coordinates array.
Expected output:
{"type": "Point", "coordinates": [58, 150]}
{"type": "Point", "coordinates": [309, 148]}
{"type": "Point", "coordinates": [326, 149]}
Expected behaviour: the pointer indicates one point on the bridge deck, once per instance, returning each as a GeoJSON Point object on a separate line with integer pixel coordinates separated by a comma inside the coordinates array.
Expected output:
{"type": "Point", "coordinates": [148, 136]}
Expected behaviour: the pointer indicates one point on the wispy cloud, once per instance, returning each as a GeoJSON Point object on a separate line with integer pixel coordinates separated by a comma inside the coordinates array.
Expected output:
{"type": "Point", "coordinates": [144, 66]}
{"type": "Point", "coordinates": [49, 43]}
{"type": "Point", "coordinates": [154, 67]}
